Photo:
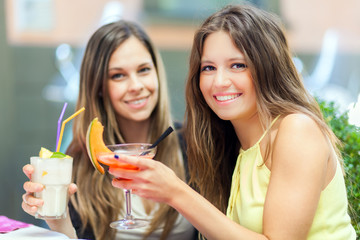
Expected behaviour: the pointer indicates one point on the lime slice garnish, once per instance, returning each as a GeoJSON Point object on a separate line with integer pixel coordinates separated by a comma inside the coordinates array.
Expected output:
{"type": "Point", "coordinates": [58, 155]}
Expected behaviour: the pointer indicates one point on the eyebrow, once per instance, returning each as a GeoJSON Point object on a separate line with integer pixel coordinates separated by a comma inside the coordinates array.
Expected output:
{"type": "Point", "coordinates": [115, 68]}
{"type": "Point", "coordinates": [237, 58]}
{"type": "Point", "coordinates": [140, 66]}
{"type": "Point", "coordinates": [202, 61]}
{"type": "Point", "coordinates": [146, 63]}
{"type": "Point", "coordinates": [205, 61]}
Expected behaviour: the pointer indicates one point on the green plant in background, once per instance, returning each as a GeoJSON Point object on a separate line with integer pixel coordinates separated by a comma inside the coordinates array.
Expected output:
{"type": "Point", "coordinates": [349, 135]}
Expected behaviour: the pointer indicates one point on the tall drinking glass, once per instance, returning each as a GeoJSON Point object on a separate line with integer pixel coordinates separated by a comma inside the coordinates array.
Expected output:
{"type": "Point", "coordinates": [55, 175]}
{"type": "Point", "coordinates": [132, 149]}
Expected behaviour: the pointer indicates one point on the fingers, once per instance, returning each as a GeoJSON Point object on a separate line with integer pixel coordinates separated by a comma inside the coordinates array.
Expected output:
{"type": "Point", "coordinates": [72, 189]}
{"type": "Point", "coordinates": [140, 162]}
{"type": "Point", "coordinates": [31, 187]}
{"type": "Point", "coordinates": [126, 184]}
{"type": "Point", "coordinates": [122, 173]}
{"type": "Point", "coordinates": [28, 169]}
{"type": "Point", "coordinates": [30, 204]}
{"type": "Point", "coordinates": [29, 209]}
{"type": "Point", "coordinates": [30, 200]}
{"type": "Point", "coordinates": [120, 183]}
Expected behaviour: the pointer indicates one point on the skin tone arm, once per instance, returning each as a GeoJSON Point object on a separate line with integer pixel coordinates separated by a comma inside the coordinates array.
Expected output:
{"type": "Point", "coordinates": [299, 174]}
{"type": "Point", "coordinates": [302, 165]}
{"type": "Point", "coordinates": [30, 205]}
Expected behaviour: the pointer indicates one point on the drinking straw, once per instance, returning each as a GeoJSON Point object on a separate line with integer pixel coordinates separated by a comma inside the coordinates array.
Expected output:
{"type": "Point", "coordinates": [164, 135]}
{"type": "Point", "coordinates": [63, 126]}
{"type": "Point", "coordinates": [59, 122]}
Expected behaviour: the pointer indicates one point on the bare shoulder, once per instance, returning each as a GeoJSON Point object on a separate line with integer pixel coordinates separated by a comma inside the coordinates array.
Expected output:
{"type": "Point", "coordinates": [298, 122]}
{"type": "Point", "coordinates": [299, 136]}
{"type": "Point", "coordinates": [299, 126]}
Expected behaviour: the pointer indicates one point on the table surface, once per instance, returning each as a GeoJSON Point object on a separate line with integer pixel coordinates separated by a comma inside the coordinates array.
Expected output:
{"type": "Point", "coordinates": [31, 233]}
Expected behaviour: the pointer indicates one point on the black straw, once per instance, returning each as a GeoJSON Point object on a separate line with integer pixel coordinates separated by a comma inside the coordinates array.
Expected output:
{"type": "Point", "coordinates": [164, 135]}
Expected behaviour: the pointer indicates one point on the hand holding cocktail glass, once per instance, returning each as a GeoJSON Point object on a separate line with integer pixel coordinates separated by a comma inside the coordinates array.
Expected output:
{"type": "Point", "coordinates": [107, 155]}
{"type": "Point", "coordinates": [154, 180]}
{"type": "Point", "coordinates": [132, 149]}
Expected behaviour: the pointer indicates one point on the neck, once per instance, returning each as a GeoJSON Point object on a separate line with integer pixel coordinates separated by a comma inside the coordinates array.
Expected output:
{"type": "Point", "coordinates": [134, 132]}
{"type": "Point", "coordinates": [248, 130]}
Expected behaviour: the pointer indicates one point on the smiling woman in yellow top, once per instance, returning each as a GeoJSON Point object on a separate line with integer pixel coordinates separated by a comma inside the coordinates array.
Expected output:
{"type": "Point", "coordinates": [258, 146]}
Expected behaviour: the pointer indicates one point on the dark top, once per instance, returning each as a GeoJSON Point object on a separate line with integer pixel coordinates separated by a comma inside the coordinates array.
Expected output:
{"type": "Point", "coordinates": [88, 233]}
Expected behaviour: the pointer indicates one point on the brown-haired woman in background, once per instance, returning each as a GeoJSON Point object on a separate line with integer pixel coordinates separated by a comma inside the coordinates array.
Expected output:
{"type": "Point", "coordinates": [122, 82]}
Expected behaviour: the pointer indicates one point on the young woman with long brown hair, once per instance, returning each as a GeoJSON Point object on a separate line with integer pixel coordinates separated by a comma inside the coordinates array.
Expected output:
{"type": "Point", "coordinates": [260, 153]}
{"type": "Point", "coordinates": [122, 83]}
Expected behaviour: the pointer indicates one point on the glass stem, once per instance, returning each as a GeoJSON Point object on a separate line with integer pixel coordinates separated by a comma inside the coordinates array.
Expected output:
{"type": "Point", "coordinates": [128, 203]}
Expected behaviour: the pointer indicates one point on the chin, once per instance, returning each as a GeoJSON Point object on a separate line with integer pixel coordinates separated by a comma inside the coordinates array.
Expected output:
{"type": "Point", "coordinates": [142, 118]}
{"type": "Point", "coordinates": [224, 117]}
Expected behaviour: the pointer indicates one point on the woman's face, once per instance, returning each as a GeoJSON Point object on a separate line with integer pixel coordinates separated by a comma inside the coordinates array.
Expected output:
{"type": "Point", "coordinates": [225, 79]}
{"type": "Point", "coordinates": [133, 83]}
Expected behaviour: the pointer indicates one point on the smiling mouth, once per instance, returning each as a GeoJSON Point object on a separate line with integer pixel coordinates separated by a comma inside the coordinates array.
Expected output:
{"type": "Point", "coordinates": [138, 101]}
{"type": "Point", "coordinates": [227, 97]}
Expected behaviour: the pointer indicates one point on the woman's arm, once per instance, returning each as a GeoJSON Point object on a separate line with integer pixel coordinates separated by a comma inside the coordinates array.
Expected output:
{"type": "Point", "coordinates": [205, 217]}
{"type": "Point", "coordinates": [299, 169]}
{"type": "Point", "coordinates": [63, 226]}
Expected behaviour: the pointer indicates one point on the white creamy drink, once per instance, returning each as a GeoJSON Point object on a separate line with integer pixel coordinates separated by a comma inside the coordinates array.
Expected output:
{"type": "Point", "coordinates": [55, 175]}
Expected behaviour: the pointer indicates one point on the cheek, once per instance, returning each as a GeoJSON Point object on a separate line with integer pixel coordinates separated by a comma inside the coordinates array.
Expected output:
{"type": "Point", "coordinates": [111, 91]}
{"type": "Point", "coordinates": [116, 91]}
{"type": "Point", "coordinates": [253, 94]}
{"type": "Point", "coordinates": [202, 85]}
{"type": "Point", "coordinates": [156, 85]}
{"type": "Point", "coordinates": [205, 87]}
{"type": "Point", "coordinates": [152, 83]}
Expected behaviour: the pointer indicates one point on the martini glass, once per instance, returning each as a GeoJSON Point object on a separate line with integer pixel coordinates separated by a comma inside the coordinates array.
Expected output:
{"type": "Point", "coordinates": [133, 149]}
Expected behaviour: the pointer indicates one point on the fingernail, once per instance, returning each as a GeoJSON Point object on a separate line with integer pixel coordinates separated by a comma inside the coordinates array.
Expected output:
{"type": "Point", "coordinates": [116, 156]}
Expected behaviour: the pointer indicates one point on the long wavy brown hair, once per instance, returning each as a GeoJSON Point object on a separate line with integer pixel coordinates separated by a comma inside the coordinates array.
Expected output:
{"type": "Point", "coordinates": [97, 201]}
{"type": "Point", "coordinates": [212, 143]}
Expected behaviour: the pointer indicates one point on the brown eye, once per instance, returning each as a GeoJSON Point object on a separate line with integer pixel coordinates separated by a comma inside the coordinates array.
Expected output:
{"type": "Point", "coordinates": [207, 68]}
{"type": "Point", "coordinates": [239, 66]}
{"type": "Point", "coordinates": [144, 70]}
{"type": "Point", "coordinates": [117, 76]}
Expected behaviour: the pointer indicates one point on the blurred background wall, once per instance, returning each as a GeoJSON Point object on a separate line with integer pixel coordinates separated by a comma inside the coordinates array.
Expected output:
{"type": "Point", "coordinates": [42, 41]}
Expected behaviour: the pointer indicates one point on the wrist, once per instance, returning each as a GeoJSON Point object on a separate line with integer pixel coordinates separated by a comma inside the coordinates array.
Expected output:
{"type": "Point", "coordinates": [179, 195]}
{"type": "Point", "coordinates": [63, 226]}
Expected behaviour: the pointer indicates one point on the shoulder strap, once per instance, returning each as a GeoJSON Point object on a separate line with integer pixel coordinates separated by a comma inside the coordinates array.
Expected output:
{"type": "Point", "coordinates": [271, 124]}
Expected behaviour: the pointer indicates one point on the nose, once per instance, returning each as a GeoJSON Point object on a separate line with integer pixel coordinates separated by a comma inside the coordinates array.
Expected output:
{"type": "Point", "coordinates": [222, 79]}
{"type": "Point", "coordinates": [135, 84]}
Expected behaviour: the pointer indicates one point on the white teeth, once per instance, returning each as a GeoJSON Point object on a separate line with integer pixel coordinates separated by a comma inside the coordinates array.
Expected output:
{"type": "Point", "coordinates": [227, 97]}
{"type": "Point", "coordinates": [138, 101]}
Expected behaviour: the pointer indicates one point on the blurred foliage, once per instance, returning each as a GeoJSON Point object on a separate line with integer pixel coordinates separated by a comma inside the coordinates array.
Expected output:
{"type": "Point", "coordinates": [349, 135]}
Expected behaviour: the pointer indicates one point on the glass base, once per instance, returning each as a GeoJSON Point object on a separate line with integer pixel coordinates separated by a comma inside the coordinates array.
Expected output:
{"type": "Point", "coordinates": [38, 216]}
{"type": "Point", "coordinates": [129, 223]}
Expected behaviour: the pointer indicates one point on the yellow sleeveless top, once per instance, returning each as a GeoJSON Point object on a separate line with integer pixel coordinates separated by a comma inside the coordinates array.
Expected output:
{"type": "Point", "coordinates": [250, 182]}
